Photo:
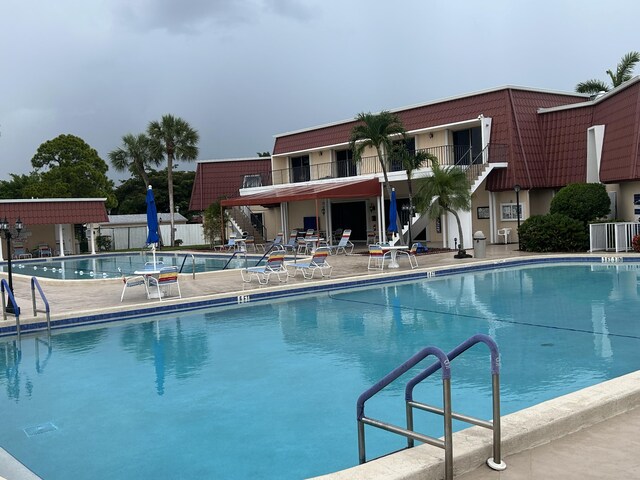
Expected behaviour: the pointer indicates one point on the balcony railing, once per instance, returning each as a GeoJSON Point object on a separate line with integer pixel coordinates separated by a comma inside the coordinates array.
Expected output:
{"type": "Point", "coordinates": [462, 156]}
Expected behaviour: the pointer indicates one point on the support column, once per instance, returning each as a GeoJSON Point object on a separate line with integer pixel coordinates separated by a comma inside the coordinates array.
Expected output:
{"type": "Point", "coordinates": [383, 217]}
{"type": "Point", "coordinates": [92, 238]}
{"type": "Point", "coordinates": [60, 240]}
{"type": "Point", "coordinates": [1, 250]}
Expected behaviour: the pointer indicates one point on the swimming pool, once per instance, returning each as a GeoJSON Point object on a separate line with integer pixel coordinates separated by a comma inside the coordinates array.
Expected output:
{"type": "Point", "coordinates": [268, 390]}
{"type": "Point", "coordinates": [106, 266]}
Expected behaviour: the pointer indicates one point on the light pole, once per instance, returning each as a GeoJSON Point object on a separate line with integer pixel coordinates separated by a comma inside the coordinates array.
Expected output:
{"type": "Point", "coordinates": [5, 228]}
{"type": "Point", "coordinates": [516, 187]}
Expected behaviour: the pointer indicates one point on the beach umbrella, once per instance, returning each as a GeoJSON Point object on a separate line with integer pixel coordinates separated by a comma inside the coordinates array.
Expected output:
{"type": "Point", "coordinates": [152, 223]}
{"type": "Point", "coordinates": [393, 213]}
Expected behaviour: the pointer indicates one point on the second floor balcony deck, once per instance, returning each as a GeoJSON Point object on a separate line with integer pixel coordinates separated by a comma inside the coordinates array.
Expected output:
{"type": "Point", "coordinates": [462, 156]}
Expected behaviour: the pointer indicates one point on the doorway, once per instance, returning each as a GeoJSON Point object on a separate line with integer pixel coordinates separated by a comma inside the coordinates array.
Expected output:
{"type": "Point", "coordinates": [351, 215]}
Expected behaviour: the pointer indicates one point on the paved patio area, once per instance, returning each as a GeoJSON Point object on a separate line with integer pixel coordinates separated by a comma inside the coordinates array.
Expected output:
{"type": "Point", "coordinates": [606, 450]}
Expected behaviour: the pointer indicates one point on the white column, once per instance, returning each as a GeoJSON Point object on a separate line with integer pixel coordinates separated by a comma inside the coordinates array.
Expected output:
{"type": "Point", "coordinates": [1, 256]}
{"type": "Point", "coordinates": [92, 238]}
{"type": "Point", "coordinates": [383, 218]}
{"type": "Point", "coordinates": [60, 240]}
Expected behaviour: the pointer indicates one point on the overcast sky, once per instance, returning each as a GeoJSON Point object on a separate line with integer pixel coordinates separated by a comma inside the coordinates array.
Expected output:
{"type": "Point", "coordinates": [241, 71]}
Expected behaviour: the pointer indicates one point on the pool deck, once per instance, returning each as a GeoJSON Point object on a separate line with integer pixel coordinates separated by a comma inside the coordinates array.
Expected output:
{"type": "Point", "coordinates": [608, 447]}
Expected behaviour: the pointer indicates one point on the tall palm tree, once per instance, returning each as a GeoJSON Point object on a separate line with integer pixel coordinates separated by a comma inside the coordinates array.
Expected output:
{"type": "Point", "coordinates": [375, 130]}
{"type": "Point", "coordinates": [447, 190]}
{"type": "Point", "coordinates": [173, 137]}
{"type": "Point", "coordinates": [623, 73]}
{"type": "Point", "coordinates": [411, 161]}
{"type": "Point", "coordinates": [133, 155]}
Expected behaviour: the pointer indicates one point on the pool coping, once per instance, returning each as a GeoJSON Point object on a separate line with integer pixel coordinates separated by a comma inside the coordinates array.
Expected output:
{"type": "Point", "coordinates": [283, 290]}
{"type": "Point", "coordinates": [522, 430]}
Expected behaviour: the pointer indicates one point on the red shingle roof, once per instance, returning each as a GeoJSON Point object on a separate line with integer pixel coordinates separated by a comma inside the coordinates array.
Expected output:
{"type": "Point", "coordinates": [54, 211]}
{"type": "Point", "coordinates": [223, 179]}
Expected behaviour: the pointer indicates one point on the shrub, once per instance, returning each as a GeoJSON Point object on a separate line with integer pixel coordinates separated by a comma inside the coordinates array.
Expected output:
{"type": "Point", "coordinates": [103, 242]}
{"type": "Point", "coordinates": [583, 201]}
{"type": "Point", "coordinates": [178, 241]}
{"type": "Point", "coordinates": [553, 233]}
{"type": "Point", "coordinates": [635, 243]}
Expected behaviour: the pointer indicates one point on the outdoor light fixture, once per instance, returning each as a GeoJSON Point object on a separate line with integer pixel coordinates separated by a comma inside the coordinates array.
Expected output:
{"type": "Point", "coordinates": [408, 207]}
{"type": "Point", "coordinates": [5, 228]}
{"type": "Point", "coordinates": [516, 188]}
{"type": "Point", "coordinates": [372, 207]}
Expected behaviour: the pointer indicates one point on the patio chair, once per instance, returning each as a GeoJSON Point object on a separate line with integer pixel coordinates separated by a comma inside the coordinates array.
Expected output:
{"type": "Point", "coordinates": [318, 262]}
{"type": "Point", "coordinates": [44, 250]}
{"type": "Point", "coordinates": [20, 251]}
{"type": "Point", "coordinates": [230, 245]}
{"type": "Point", "coordinates": [275, 266]}
{"type": "Point", "coordinates": [276, 241]}
{"type": "Point", "coordinates": [413, 261]}
{"type": "Point", "coordinates": [504, 232]}
{"type": "Point", "coordinates": [343, 244]}
{"type": "Point", "coordinates": [134, 281]}
{"type": "Point", "coordinates": [165, 280]}
{"type": "Point", "coordinates": [292, 244]}
{"type": "Point", "coordinates": [376, 257]}
{"type": "Point", "coordinates": [306, 243]}
{"type": "Point", "coordinates": [372, 237]}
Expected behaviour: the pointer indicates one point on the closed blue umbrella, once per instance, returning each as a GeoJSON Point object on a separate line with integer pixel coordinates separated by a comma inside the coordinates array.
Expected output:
{"type": "Point", "coordinates": [393, 213]}
{"type": "Point", "coordinates": [152, 223]}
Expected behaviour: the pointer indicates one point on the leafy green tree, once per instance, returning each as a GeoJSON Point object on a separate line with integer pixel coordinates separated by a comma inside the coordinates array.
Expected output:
{"type": "Point", "coordinates": [623, 73]}
{"type": "Point", "coordinates": [174, 138]}
{"type": "Point", "coordinates": [411, 161]}
{"type": "Point", "coordinates": [582, 201]}
{"type": "Point", "coordinates": [131, 193]}
{"type": "Point", "coordinates": [133, 155]}
{"type": "Point", "coordinates": [264, 154]}
{"type": "Point", "coordinates": [447, 190]}
{"type": "Point", "coordinates": [213, 222]}
{"type": "Point", "coordinates": [376, 130]}
{"type": "Point", "coordinates": [69, 168]}
{"type": "Point", "coordinates": [18, 185]}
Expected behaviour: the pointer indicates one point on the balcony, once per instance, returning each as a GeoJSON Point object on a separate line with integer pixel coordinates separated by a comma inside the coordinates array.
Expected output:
{"type": "Point", "coordinates": [462, 156]}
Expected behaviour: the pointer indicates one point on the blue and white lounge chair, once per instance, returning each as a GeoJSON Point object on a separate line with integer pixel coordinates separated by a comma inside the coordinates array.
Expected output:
{"type": "Point", "coordinates": [292, 244]}
{"type": "Point", "coordinates": [275, 266]}
{"type": "Point", "coordinates": [134, 281]}
{"type": "Point", "coordinates": [343, 244]}
{"type": "Point", "coordinates": [317, 263]}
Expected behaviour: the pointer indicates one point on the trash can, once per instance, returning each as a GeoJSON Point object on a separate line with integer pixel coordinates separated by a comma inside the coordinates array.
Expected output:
{"type": "Point", "coordinates": [479, 244]}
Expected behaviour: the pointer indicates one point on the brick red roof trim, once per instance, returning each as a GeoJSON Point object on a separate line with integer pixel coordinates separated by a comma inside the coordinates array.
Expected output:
{"type": "Point", "coordinates": [53, 212]}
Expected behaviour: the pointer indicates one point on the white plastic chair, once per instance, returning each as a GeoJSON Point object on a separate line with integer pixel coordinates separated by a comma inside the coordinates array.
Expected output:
{"type": "Point", "coordinates": [504, 232]}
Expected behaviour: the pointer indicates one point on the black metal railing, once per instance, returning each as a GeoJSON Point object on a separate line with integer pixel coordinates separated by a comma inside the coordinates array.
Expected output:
{"type": "Point", "coordinates": [460, 155]}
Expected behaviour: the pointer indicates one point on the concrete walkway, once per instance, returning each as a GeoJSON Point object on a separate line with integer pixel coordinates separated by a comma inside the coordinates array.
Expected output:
{"type": "Point", "coordinates": [610, 449]}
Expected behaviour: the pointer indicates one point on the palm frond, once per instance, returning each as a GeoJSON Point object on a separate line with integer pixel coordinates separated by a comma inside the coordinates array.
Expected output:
{"type": "Point", "coordinates": [624, 69]}
{"type": "Point", "coordinates": [592, 87]}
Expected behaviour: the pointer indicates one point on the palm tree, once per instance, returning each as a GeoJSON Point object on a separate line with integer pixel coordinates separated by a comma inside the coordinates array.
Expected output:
{"type": "Point", "coordinates": [133, 155]}
{"type": "Point", "coordinates": [173, 137]}
{"type": "Point", "coordinates": [447, 190]}
{"type": "Point", "coordinates": [375, 130]}
{"type": "Point", "coordinates": [623, 73]}
{"type": "Point", "coordinates": [411, 161]}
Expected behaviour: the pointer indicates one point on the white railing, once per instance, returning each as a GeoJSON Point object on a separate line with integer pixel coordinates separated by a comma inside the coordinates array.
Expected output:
{"type": "Point", "coordinates": [612, 236]}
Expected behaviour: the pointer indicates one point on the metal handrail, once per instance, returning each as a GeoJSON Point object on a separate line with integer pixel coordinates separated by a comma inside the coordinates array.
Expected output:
{"type": "Point", "coordinates": [494, 462]}
{"type": "Point", "coordinates": [443, 361]}
{"type": "Point", "coordinates": [16, 309]}
{"type": "Point", "coordinates": [193, 264]}
{"type": "Point", "coordinates": [233, 256]}
{"type": "Point", "coordinates": [47, 310]}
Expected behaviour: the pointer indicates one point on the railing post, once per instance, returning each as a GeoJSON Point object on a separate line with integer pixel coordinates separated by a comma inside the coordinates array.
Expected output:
{"type": "Point", "coordinates": [361, 447]}
{"type": "Point", "coordinates": [448, 429]}
{"type": "Point", "coordinates": [496, 462]}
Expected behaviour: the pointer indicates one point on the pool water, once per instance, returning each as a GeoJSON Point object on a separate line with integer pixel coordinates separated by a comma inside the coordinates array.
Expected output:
{"type": "Point", "coordinates": [268, 390]}
{"type": "Point", "coordinates": [106, 266]}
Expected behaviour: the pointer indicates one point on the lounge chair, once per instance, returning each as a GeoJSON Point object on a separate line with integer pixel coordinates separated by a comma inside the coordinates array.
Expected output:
{"type": "Point", "coordinates": [275, 266]}
{"type": "Point", "coordinates": [43, 250]}
{"type": "Point", "coordinates": [343, 244]}
{"type": "Point", "coordinates": [292, 244]}
{"type": "Point", "coordinates": [19, 251]}
{"type": "Point", "coordinates": [376, 257]}
{"type": "Point", "coordinates": [230, 245]}
{"type": "Point", "coordinates": [413, 261]}
{"type": "Point", "coordinates": [165, 280]}
{"type": "Point", "coordinates": [372, 237]}
{"type": "Point", "coordinates": [318, 262]}
{"type": "Point", "coordinates": [134, 281]}
{"type": "Point", "coordinates": [276, 241]}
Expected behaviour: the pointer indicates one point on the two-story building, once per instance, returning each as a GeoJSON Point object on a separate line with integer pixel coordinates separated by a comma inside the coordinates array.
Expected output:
{"type": "Point", "coordinates": [504, 137]}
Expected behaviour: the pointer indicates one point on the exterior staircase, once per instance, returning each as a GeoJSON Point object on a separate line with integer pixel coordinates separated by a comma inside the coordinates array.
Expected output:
{"type": "Point", "coordinates": [240, 218]}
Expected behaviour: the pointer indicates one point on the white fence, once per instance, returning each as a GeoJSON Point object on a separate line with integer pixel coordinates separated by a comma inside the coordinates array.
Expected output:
{"type": "Point", "coordinates": [128, 238]}
{"type": "Point", "coordinates": [612, 236]}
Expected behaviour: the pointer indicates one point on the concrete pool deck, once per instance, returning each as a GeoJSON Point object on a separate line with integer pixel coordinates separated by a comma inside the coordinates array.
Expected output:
{"type": "Point", "coordinates": [599, 449]}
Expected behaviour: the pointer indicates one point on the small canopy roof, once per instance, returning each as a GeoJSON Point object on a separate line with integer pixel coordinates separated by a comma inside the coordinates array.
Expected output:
{"type": "Point", "coordinates": [294, 193]}
{"type": "Point", "coordinates": [51, 211]}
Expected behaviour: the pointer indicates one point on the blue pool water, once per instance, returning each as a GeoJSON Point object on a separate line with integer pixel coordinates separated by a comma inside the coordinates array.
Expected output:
{"type": "Point", "coordinates": [268, 390]}
{"type": "Point", "coordinates": [106, 266]}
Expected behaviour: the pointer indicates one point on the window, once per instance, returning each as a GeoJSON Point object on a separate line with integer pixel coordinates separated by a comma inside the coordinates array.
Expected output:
{"type": "Point", "coordinates": [250, 181]}
{"type": "Point", "coordinates": [509, 212]}
{"type": "Point", "coordinates": [345, 165]}
{"type": "Point", "coordinates": [300, 169]}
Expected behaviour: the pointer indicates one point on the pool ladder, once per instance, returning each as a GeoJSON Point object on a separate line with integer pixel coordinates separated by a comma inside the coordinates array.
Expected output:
{"type": "Point", "coordinates": [15, 309]}
{"type": "Point", "coordinates": [443, 362]}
